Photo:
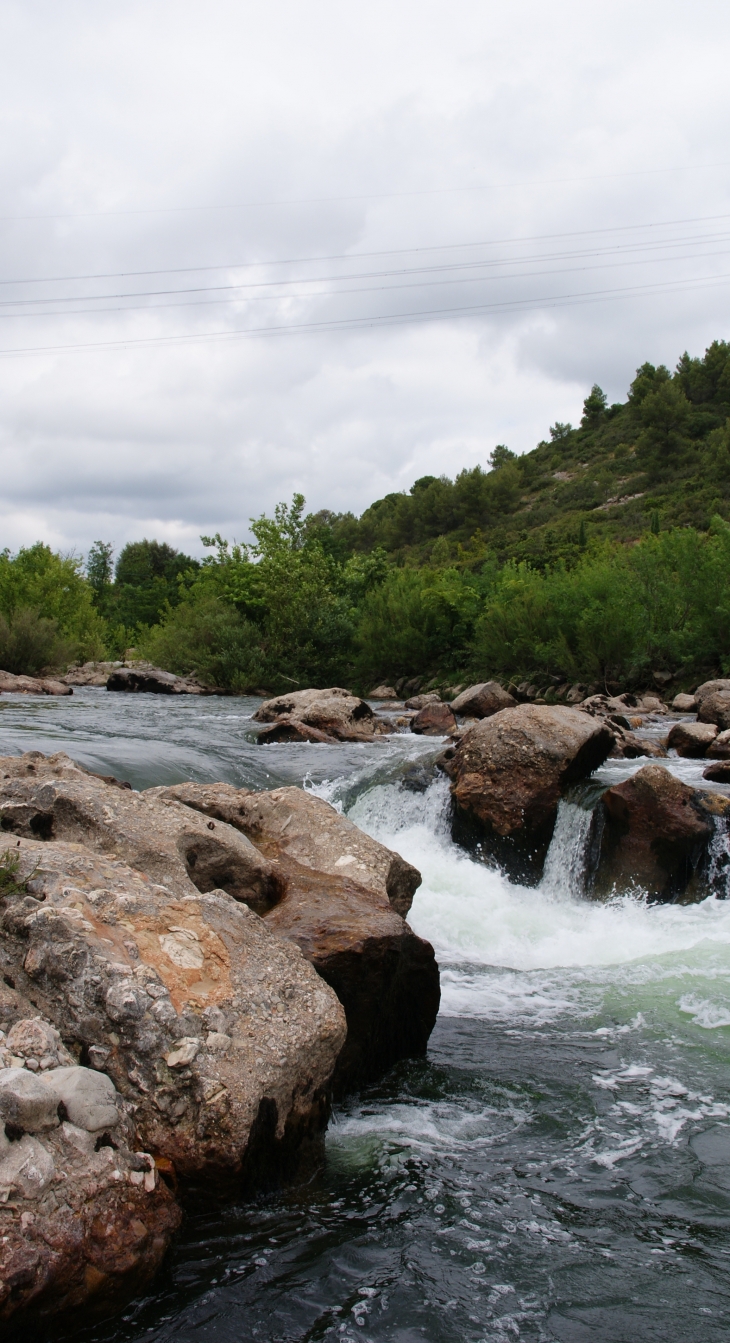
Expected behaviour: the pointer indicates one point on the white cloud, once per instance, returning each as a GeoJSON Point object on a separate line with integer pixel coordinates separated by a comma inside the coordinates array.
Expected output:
{"type": "Point", "coordinates": [561, 115]}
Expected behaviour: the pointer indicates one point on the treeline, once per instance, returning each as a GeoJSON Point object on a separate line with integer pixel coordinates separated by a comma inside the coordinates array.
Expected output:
{"type": "Point", "coordinates": [603, 555]}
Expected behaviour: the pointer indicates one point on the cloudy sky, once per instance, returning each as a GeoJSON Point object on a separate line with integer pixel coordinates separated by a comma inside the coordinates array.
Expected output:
{"type": "Point", "coordinates": [255, 248]}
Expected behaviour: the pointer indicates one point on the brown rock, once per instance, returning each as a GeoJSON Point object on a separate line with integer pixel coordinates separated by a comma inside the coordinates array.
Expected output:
{"type": "Point", "coordinates": [483, 700]}
{"type": "Point", "coordinates": [719, 748]}
{"type": "Point", "coordinates": [684, 704]}
{"type": "Point", "coordinates": [341, 893]}
{"type": "Point", "coordinates": [718, 773]}
{"type": "Point", "coordinates": [435, 720]}
{"type": "Point", "coordinates": [49, 797]}
{"type": "Point", "coordinates": [335, 712]}
{"type": "Point", "coordinates": [31, 685]}
{"type": "Point", "coordinates": [656, 833]}
{"type": "Point", "coordinates": [630, 747]}
{"type": "Point", "coordinates": [217, 1034]}
{"type": "Point", "coordinates": [384, 692]}
{"type": "Point", "coordinates": [90, 674]}
{"type": "Point", "coordinates": [146, 679]}
{"type": "Point", "coordinates": [289, 728]}
{"type": "Point", "coordinates": [713, 703]}
{"type": "Point", "coordinates": [419, 702]}
{"type": "Point", "coordinates": [510, 770]}
{"type": "Point", "coordinates": [691, 739]}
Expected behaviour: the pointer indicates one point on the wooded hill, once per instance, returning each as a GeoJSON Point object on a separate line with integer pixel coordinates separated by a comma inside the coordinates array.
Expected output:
{"type": "Point", "coordinates": [660, 459]}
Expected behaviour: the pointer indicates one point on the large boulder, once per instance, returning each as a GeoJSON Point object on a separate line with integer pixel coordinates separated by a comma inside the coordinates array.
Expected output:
{"type": "Point", "coordinates": [509, 772]}
{"type": "Point", "coordinates": [335, 712]}
{"type": "Point", "coordinates": [218, 1036]}
{"type": "Point", "coordinates": [684, 703]}
{"type": "Point", "coordinates": [433, 720]}
{"type": "Point", "coordinates": [83, 1212]}
{"type": "Point", "coordinates": [713, 703]}
{"type": "Point", "coordinates": [691, 739]}
{"type": "Point", "coordinates": [344, 895]}
{"type": "Point", "coordinates": [152, 681]}
{"type": "Point", "coordinates": [49, 797]}
{"type": "Point", "coordinates": [483, 700]}
{"type": "Point", "coordinates": [32, 685]}
{"type": "Point", "coordinates": [719, 748]}
{"type": "Point", "coordinates": [655, 834]}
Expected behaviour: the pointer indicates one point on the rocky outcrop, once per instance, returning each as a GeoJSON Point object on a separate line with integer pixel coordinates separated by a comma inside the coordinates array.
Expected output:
{"type": "Point", "coordinates": [31, 685]}
{"type": "Point", "coordinates": [335, 712]}
{"type": "Point", "coordinates": [83, 1212]}
{"type": "Point", "coordinates": [713, 703]}
{"type": "Point", "coordinates": [342, 902]}
{"type": "Point", "coordinates": [49, 797]}
{"type": "Point", "coordinates": [691, 739]}
{"type": "Point", "coordinates": [483, 700]}
{"type": "Point", "coordinates": [654, 834]}
{"type": "Point", "coordinates": [434, 720]}
{"type": "Point", "coordinates": [509, 772]}
{"type": "Point", "coordinates": [145, 679]}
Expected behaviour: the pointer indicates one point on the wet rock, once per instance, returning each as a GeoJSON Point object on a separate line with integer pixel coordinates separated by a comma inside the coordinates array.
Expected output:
{"type": "Point", "coordinates": [718, 773]}
{"type": "Point", "coordinates": [435, 720]}
{"type": "Point", "coordinates": [482, 700]}
{"type": "Point", "coordinates": [383, 692]}
{"type": "Point", "coordinates": [719, 748]}
{"type": "Point", "coordinates": [289, 728]}
{"type": "Point", "coordinates": [684, 704]}
{"type": "Point", "coordinates": [419, 702]}
{"type": "Point", "coordinates": [655, 835]}
{"type": "Point", "coordinates": [145, 679]}
{"type": "Point", "coordinates": [344, 895]}
{"type": "Point", "coordinates": [50, 797]}
{"type": "Point", "coordinates": [335, 712]}
{"type": "Point", "coordinates": [713, 703]}
{"type": "Point", "coordinates": [119, 965]}
{"type": "Point", "coordinates": [508, 774]}
{"type": "Point", "coordinates": [31, 685]}
{"type": "Point", "coordinates": [628, 746]}
{"type": "Point", "coordinates": [691, 739]}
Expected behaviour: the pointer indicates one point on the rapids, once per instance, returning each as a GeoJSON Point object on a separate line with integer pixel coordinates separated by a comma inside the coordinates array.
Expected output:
{"type": "Point", "coordinates": [557, 1168]}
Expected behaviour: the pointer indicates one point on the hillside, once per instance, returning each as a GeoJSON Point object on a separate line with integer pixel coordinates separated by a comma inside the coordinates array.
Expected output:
{"type": "Point", "coordinates": [660, 459]}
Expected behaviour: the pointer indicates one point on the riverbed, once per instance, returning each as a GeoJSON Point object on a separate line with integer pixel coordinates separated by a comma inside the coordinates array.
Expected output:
{"type": "Point", "coordinates": [557, 1168]}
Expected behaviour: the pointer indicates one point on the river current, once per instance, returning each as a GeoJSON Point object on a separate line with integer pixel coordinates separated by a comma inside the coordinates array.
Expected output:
{"type": "Point", "coordinates": [557, 1168]}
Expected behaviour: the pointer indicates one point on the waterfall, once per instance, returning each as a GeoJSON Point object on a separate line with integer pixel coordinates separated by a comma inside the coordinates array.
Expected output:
{"type": "Point", "coordinates": [718, 859]}
{"type": "Point", "coordinates": [565, 864]}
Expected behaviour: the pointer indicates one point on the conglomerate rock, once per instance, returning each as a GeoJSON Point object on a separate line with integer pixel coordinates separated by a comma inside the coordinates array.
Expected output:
{"type": "Point", "coordinates": [343, 897]}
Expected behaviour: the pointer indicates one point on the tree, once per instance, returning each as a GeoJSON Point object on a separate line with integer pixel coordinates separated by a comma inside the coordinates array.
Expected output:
{"type": "Point", "coordinates": [559, 431]}
{"type": "Point", "coordinates": [500, 456]}
{"type": "Point", "coordinates": [99, 568]}
{"type": "Point", "coordinates": [594, 408]}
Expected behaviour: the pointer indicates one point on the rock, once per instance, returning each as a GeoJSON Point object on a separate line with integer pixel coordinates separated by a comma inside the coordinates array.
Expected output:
{"type": "Point", "coordinates": [691, 739]}
{"type": "Point", "coordinates": [435, 720]}
{"type": "Point", "coordinates": [51, 798]}
{"type": "Point", "coordinates": [713, 703]}
{"type": "Point", "coordinates": [655, 833]}
{"type": "Point", "coordinates": [31, 685]}
{"type": "Point", "coordinates": [90, 674]}
{"type": "Point", "coordinates": [684, 704]}
{"type": "Point", "coordinates": [384, 692]}
{"type": "Point", "coordinates": [26, 1102]}
{"type": "Point", "coordinates": [576, 693]}
{"type": "Point", "coordinates": [482, 700]}
{"type": "Point", "coordinates": [289, 728]}
{"type": "Point", "coordinates": [344, 895]}
{"type": "Point", "coordinates": [662, 678]}
{"type": "Point", "coordinates": [34, 1039]}
{"type": "Point", "coordinates": [651, 704]}
{"type": "Point", "coordinates": [510, 770]}
{"type": "Point", "coordinates": [114, 962]}
{"type": "Point", "coordinates": [335, 712]}
{"type": "Point", "coordinates": [146, 679]}
{"type": "Point", "coordinates": [630, 747]}
{"type": "Point", "coordinates": [719, 748]}
{"type": "Point", "coordinates": [718, 773]}
{"type": "Point", "coordinates": [419, 702]}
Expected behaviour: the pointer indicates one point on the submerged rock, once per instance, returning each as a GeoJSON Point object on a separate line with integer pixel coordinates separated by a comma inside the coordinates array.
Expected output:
{"type": "Point", "coordinates": [655, 832]}
{"type": "Point", "coordinates": [483, 700]}
{"type": "Point", "coordinates": [510, 770]}
{"type": "Point", "coordinates": [691, 739]}
{"type": "Point", "coordinates": [343, 899]}
{"type": "Point", "coordinates": [32, 685]}
{"type": "Point", "coordinates": [335, 712]}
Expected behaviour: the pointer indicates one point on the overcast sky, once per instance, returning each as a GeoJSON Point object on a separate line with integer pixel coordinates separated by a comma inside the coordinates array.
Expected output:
{"type": "Point", "coordinates": [252, 248]}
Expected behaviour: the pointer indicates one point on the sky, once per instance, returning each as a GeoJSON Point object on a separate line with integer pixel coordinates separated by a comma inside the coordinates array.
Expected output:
{"type": "Point", "coordinates": [248, 249]}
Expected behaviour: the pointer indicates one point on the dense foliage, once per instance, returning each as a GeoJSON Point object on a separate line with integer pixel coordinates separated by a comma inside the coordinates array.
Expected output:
{"type": "Point", "coordinates": [602, 555]}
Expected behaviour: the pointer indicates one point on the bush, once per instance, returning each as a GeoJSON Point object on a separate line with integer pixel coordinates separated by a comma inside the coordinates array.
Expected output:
{"type": "Point", "coordinates": [206, 637]}
{"type": "Point", "coordinates": [50, 588]}
{"type": "Point", "coordinates": [29, 643]}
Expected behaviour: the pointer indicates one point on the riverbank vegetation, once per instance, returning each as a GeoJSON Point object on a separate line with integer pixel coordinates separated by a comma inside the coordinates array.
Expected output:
{"type": "Point", "coordinates": [603, 555]}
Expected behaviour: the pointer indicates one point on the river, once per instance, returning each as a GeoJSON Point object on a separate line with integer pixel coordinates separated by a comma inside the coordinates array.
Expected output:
{"type": "Point", "coordinates": [557, 1168]}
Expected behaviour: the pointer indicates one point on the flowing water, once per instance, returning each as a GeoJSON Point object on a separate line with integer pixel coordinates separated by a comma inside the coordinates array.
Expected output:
{"type": "Point", "coordinates": [557, 1168]}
